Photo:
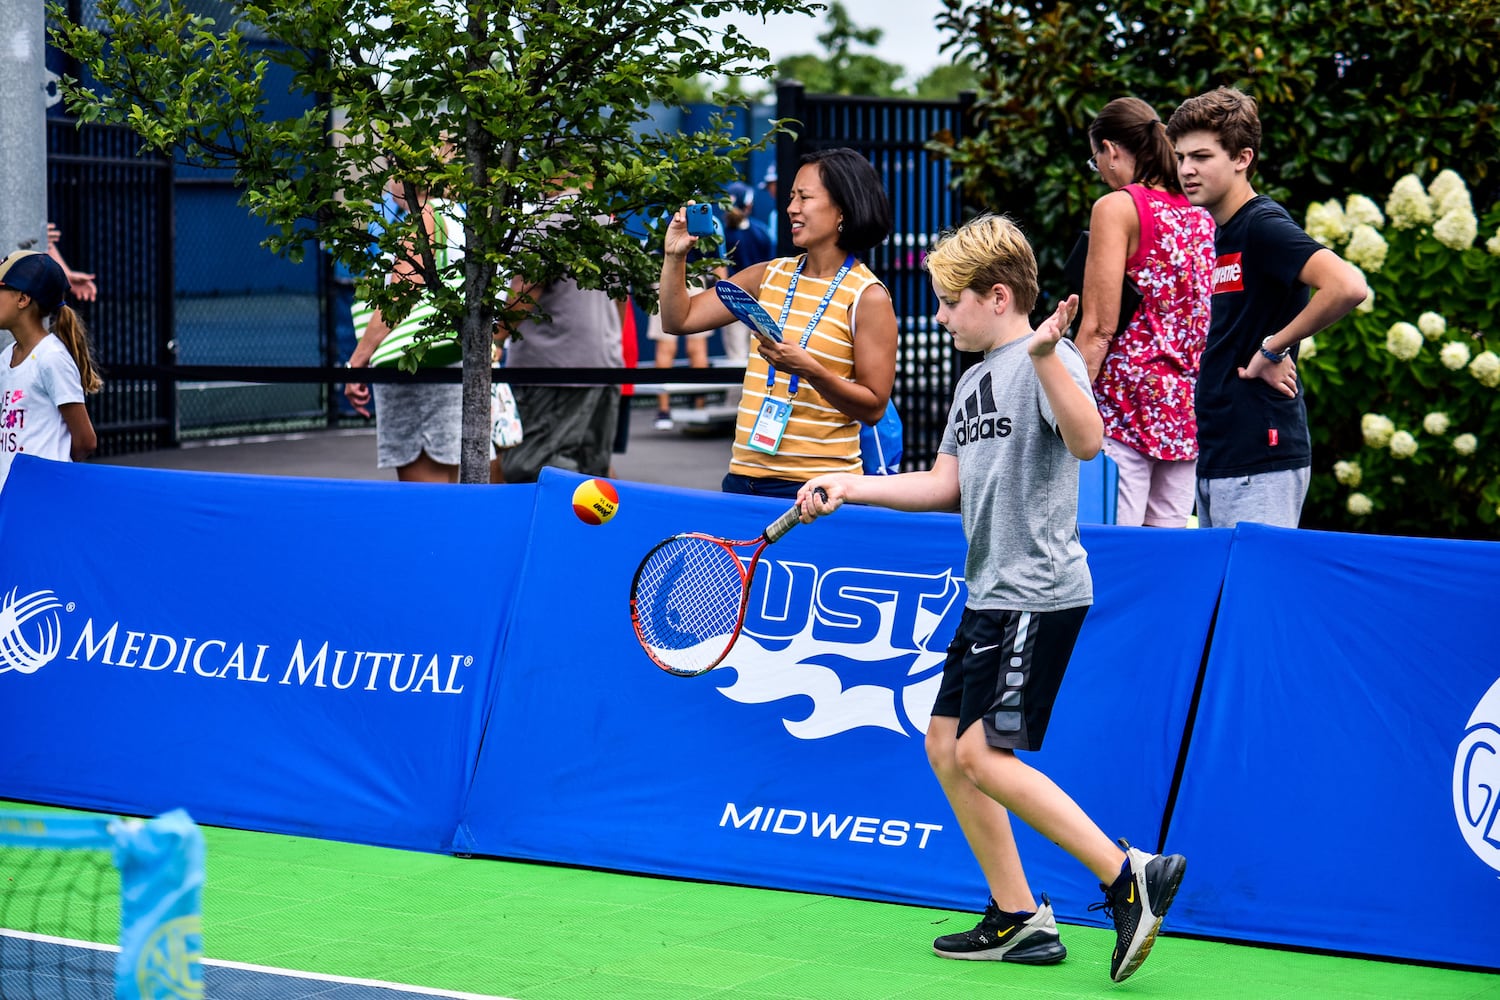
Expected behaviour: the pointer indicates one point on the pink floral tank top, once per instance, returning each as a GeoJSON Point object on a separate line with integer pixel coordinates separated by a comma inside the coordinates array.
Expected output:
{"type": "Point", "coordinates": [1145, 388]}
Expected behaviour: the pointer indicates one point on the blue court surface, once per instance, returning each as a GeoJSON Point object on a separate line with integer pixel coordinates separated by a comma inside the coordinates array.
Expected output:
{"type": "Point", "coordinates": [33, 967]}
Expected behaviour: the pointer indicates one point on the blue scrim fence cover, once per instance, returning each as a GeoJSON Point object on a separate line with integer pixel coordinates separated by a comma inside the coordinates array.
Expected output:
{"type": "Point", "coordinates": [482, 692]}
{"type": "Point", "coordinates": [299, 656]}
{"type": "Point", "coordinates": [1342, 787]}
{"type": "Point", "coordinates": [800, 762]}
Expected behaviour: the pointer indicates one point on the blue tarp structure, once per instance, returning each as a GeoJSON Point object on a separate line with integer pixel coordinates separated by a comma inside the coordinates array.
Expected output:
{"type": "Point", "coordinates": [1309, 717]}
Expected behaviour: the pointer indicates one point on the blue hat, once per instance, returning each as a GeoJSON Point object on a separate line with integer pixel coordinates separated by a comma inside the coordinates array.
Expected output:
{"type": "Point", "coordinates": [37, 275]}
{"type": "Point", "coordinates": [770, 177]}
{"type": "Point", "coordinates": [741, 196]}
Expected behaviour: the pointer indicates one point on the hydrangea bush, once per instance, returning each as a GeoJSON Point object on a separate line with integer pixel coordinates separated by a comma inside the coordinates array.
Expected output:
{"type": "Point", "coordinates": [1403, 394]}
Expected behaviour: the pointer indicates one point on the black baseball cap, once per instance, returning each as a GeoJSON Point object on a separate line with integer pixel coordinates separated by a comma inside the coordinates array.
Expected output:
{"type": "Point", "coordinates": [36, 274]}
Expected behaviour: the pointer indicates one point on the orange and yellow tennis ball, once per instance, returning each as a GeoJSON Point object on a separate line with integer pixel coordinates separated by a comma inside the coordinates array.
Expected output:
{"type": "Point", "coordinates": [595, 501]}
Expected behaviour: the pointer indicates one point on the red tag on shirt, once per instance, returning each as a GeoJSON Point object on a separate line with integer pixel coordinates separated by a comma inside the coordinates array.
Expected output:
{"type": "Point", "coordinates": [1271, 437]}
{"type": "Point", "coordinates": [1229, 276]}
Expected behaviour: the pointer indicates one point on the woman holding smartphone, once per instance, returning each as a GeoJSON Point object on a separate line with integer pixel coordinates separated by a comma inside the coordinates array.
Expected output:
{"type": "Point", "coordinates": [805, 395]}
{"type": "Point", "coordinates": [1145, 371]}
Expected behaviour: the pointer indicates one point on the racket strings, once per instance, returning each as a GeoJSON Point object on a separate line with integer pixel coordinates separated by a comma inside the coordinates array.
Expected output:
{"type": "Point", "coordinates": [687, 601]}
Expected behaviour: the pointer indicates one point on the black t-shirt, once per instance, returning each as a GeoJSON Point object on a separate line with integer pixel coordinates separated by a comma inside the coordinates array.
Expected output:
{"type": "Point", "coordinates": [1244, 425]}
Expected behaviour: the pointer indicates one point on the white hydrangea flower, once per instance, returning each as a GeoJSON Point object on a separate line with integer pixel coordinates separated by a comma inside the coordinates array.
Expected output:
{"type": "Point", "coordinates": [1361, 209]}
{"type": "Point", "coordinates": [1366, 249]}
{"type": "Point", "coordinates": [1486, 368]}
{"type": "Point", "coordinates": [1377, 429]}
{"type": "Point", "coordinates": [1326, 223]}
{"type": "Point", "coordinates": [1404, 341]}
{"type": "Point", "coordinates": [1457, 229]}
{"type": "Point", "coordinates": [1432, 325]}
{"type": "Point", "coordinates": [1408, 206]}
{"type": "Point", "coordinates": [1403, 445]}
{"type": "Point", "coordinates": [1449, 193]}
{"type": "Point", "coordinates": [1307, 349]}
{"type": "Point", "coordinates": [1454, 355]}
{"type": "Point", "coordinates": [1348, 473]}
{"type": "Point", "coordinates": [1435, 422]}
{"type": "Point", "coordinates": [1493, 245]}
{"type": "Point", "coordinates": [1359, 505]}
{"type": "Point", "coordinates": [1465, 444]}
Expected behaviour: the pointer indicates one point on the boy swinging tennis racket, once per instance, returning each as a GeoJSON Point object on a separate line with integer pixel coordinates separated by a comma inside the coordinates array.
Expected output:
{"type": "Point", "coordinates": [1021, 420]}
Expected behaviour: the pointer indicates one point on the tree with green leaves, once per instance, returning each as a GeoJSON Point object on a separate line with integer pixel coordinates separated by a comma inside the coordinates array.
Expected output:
{"type": "Point", "coordinates": [1351, 96]}
{"type": "Point", "coordinates": [840, 69]}
{"type": "Point", "coordinates": [492, 106]}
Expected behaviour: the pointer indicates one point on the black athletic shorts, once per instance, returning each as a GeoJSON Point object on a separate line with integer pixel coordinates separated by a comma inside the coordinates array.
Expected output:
{"type": "Point", "coordinates": [1005, 667]}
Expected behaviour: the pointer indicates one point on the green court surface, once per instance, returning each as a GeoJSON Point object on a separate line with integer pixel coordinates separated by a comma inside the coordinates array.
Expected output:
{"type": "Point", "coordinates": [538, 932]}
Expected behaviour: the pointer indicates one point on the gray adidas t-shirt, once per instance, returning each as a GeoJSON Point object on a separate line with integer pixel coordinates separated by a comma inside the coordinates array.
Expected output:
{"type": "Point", "coordinates": [1018, 485]}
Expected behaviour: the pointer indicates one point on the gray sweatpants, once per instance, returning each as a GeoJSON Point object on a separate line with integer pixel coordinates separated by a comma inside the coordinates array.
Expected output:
{"type": "Point", "coordinates": [1273, 498]}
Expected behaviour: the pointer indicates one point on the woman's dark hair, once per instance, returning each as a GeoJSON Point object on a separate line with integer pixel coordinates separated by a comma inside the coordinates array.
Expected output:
{"type": "Point", "coordinates": [1131, 124]}
{"type": "Point", "coordinates": [855, 188]}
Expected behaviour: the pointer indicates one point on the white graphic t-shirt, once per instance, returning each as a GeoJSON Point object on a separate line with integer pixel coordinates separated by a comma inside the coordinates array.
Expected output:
{"type": "Point", "coordinates": [30, 394]}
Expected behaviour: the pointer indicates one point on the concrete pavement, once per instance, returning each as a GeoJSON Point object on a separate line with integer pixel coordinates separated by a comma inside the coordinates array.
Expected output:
{"type": "Point", "coordinates": [683, 457]}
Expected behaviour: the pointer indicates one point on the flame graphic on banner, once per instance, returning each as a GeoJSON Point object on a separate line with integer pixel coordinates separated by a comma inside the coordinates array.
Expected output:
{"type": "Point", "coordinates": [808, 667]}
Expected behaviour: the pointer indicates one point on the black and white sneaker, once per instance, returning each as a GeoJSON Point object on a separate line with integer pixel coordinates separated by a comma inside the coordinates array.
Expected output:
{"type": "Point", "coordinates": [1005, 937]}
{"type": "Point", "coordinates": [1138, 901]}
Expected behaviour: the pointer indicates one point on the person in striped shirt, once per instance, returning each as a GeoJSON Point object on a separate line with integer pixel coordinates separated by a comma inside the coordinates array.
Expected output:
{"type": "Point", "coordinates": [805, 395]}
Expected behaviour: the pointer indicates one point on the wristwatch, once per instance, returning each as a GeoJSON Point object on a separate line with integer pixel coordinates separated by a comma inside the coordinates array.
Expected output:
{"type": "Point", "coordinates": [1269, 354]}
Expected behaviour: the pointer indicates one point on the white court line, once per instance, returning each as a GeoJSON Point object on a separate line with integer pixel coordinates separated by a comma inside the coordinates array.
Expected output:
{"type": "Point", "coordinates": [267, 970]}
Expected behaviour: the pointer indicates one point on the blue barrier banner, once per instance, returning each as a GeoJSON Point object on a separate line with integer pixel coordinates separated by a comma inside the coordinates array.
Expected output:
{"type": "Point", "coordinates": [297, 656]}
{"type": "Point", "coordinates": [1342, 787]}
{"type": "Point", "coordinates": [799, 763]}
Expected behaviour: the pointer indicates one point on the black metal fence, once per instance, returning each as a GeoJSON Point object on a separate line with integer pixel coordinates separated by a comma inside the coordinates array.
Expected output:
{"type": "Point", "coordinates": [114, 207]}
{"type": "Point", "coordinates": [894, 135]}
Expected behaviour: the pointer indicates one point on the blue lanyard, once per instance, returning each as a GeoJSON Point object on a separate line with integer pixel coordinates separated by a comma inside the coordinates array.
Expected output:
{"type": "Point", "coordinates": [786, 310]}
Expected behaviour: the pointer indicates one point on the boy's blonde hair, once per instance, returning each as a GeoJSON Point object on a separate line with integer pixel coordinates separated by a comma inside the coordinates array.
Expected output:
{"type": "Point", "coordinates": [984, 252]}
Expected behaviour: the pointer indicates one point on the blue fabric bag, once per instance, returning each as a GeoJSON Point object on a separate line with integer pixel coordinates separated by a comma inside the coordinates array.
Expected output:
{"type": "Point", "coordinates": [881, 445]}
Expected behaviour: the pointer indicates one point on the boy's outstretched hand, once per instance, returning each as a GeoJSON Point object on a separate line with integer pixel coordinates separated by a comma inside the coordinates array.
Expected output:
{"type": "Point", "coordinates": [1044, 339]}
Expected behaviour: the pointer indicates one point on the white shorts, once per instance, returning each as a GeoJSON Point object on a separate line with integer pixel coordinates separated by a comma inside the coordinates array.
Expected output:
{"type": "Point", "coordinates": [655, 332]}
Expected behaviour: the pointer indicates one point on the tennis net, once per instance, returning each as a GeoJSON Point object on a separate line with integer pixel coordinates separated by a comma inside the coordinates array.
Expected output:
{"type": "Point", "coordinates": [97, 907]}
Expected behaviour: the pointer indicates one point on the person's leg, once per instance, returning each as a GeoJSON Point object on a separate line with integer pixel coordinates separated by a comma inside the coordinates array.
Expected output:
{"type": "Point", "coordinates": [1013, 928]}
{"type": "Point", "coordinates": [1170, 500]}
{"type": "Point", "coordinates": [1133, 479]}
{"type": "Point", "coordinates": [666, 353]}
{"type": "Point", "coordinates": [599, 410]}
{"type": "Point", "coordinates": [425, 469]}
{"type": "Point", "coordinates": [984, 822]}
{"type": "Point", "coordinates": [999, 775]}
{"type": "Point", "coordinates": [697, 355]}
{"type": "Point", "coordinates": [1273, 498]}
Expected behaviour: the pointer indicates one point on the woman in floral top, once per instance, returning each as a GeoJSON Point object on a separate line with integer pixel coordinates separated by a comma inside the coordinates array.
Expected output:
{"type": "Point", "coordinates": [1145, 231]}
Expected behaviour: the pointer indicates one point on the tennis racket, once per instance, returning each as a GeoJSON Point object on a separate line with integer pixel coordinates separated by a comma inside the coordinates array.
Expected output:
{"type": "Point", "coordinates": [746, 309]}
{"type": "Point", "coordinates": [688, 598]}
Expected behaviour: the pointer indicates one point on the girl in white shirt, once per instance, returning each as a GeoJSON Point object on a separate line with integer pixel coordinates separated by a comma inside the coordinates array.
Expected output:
{"type": "Point", "coordinates": [45, 373]}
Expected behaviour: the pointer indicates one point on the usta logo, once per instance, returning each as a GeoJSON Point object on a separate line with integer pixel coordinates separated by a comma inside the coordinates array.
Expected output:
{"type": "Point", "coordinates": [1476, 780]}
{"type": "Point", "coordinates": [866, 646]}
{"type": "Point", "coordinates": [30, 634]}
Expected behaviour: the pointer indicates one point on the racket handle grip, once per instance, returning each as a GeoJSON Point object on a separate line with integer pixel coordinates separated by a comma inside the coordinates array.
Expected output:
{"type": "Point", "coordinates": [786, 522]}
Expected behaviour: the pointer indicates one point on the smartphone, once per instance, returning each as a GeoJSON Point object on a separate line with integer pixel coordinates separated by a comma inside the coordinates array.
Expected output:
{"type": "Point", "coordinates": [700, 219]}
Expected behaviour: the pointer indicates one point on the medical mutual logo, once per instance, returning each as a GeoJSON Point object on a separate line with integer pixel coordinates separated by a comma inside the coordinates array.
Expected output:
{"type": "Point", "coordinates": [1476, 780]}
{"type": "Point", "coordinates": [30, 633]}
{"type": "Point", "coordinates": [845, 648]}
